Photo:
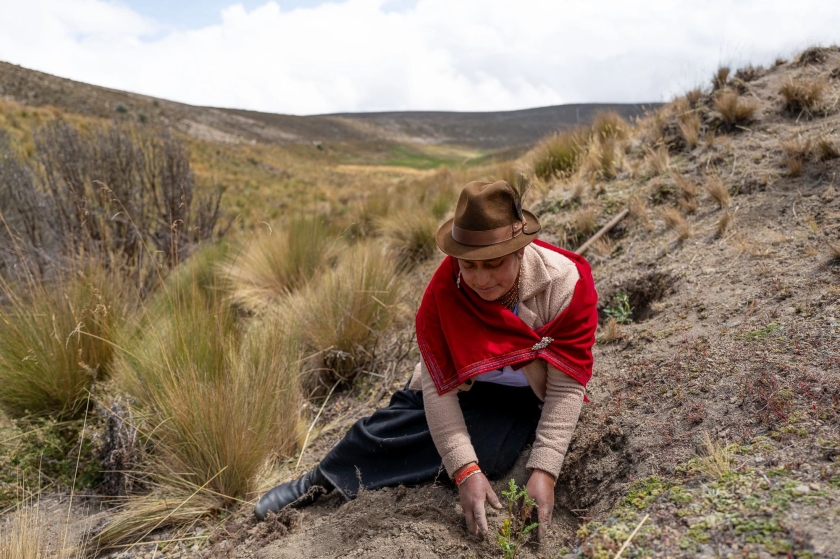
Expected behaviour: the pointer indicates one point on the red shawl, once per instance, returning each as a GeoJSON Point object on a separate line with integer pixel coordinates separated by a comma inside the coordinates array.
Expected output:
{"type": "Point", "coordinates": [461, 335]}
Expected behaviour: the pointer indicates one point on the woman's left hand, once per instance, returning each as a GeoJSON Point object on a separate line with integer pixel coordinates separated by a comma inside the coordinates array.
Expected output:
{"type": "Point", "coordinates": [541, 489]}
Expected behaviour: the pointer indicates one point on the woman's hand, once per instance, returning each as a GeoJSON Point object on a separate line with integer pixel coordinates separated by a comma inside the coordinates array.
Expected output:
{"type": "Point", "coordinates": [541, 489]}
{"type": "Point", "coordinates": [473, 492]}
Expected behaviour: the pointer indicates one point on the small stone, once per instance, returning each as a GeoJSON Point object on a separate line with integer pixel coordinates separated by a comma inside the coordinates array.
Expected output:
{"type": "Point", "coordinates": [759, 460]}
{"type": "Point", "coordinates": [802, 489]}
{"type": "Point", "coordinates": [790, 310]}
{"type": "Point", "coordinates": [815, 486]}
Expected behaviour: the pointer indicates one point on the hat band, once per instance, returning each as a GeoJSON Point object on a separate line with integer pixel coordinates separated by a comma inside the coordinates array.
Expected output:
{"type": "Point", "coordinates": [489, 237]}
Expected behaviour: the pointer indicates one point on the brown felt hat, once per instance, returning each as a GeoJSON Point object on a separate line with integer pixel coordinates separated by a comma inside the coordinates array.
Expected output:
{"type": "Point", "coordinates": [489, 223]}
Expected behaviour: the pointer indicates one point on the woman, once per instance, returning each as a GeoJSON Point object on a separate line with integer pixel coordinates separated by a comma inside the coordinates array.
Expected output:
{"type": "Point", "coordinates": [505, 330]}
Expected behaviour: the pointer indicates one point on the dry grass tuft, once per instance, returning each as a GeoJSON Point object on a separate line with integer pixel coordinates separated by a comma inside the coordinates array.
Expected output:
{"type": "Point", "coordinates": [720, 77]}
{"type": "Point", "coordinates": [674, 219]}
{"type": "Point", "coordinates": [560, 154]}
{"type": "Point", "coordinates": [410, 235]}
{"type": "Point", "coordinates": [57, 340]}
{"type": "Point", "coordinates": [601, 159]}
{"type": "Point", "coordinates": [657, 161]}
{"type": "Point", "coordinates": [638, 211]}
{"type": "Point", "coordinates": [693, 96]}
{"type": "Point", "coordinates": [347, 309]}
{"type": "Point", "coordinates": [718, 191]}
{"type": "Point", "coordinates": [723, 223]}
{"type": "Point", "coordinates": [803, 95]}
{"type": "Point", "coordinates": [603, 247]}
{"type": "Point", "coordinates": [278, 261]}
{"type": "Point", "coordinates": [609, 125]}
{"type": "Point", "coordinates": [690, 128]}
{"type": "Point", "coordinates": [826, 149]}
{"type": "Point", "coordinates": [611, 332]}
{"type": "Point", "coordinates": [797, 151]}
{"type": "Point", "coordinates": [716, 460]}
{"type": "Point", "coordinates": [583, 221]}
{"type": "Point", "coordinates": [23, 537]}
{"type": "Point", "coordinates": [222, 397]}
{"type": "Point", "coordinates": [733, 109]}
{"type": "Point", "coordinates": [749, 73]}
{"type": "Point", "coordinates": [833, 251]}
{"type": "Point", "coordinates": [687, 193]}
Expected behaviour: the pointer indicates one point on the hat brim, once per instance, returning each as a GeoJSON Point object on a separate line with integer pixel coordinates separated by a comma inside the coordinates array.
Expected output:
{"type": "Point", "coordinates": [453, 248]}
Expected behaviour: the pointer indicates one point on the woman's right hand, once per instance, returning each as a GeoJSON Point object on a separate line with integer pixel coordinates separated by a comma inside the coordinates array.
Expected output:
{"type": "Point", "coordinates": [473, 492]}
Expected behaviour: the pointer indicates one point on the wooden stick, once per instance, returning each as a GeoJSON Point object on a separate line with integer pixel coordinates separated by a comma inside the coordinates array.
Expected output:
{"type": "Point", "coordinates": [627, 541]}
{"type": "Point", "coordinates": [613, 222]}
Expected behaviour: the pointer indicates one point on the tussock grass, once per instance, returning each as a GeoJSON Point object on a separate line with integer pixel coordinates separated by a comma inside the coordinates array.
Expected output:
{"type": "Point", "coordinates": [410, 235]}
{"type": "Point", "coordinates": [693, 96]}
{"type": "Point", "coordinates": [57, 340]}
{"type": "Point", "coordinates": [687, 193]}
{"type": "Point", "coordinates": [278, 261]}
{"type": "Point", "coordinates": [582, 221]}
{"type": "Point", "coordinates": [797, 151]}
{"type": "Point", "coordinates": [802, 95]}
{"type": "Point", "coordinates": [723, 223]}
{"type": "Point", "coordinates": [833, 251]}
{"type": "Point", "coordinates": [733, 109]}
{"type": "Point", "coordinates": [638, 211]}
{"type": "Point", "coordinates": [609, 125]}
{"type": "Point", "coordinates": [721, 77]}
{"type": "Point", "coordinates": [611, 332]}
{"type": "Point", "coordinates": [674, 219]}
{"type": "Point", "coordinates": [560, 154]}
{"type": "Point", "coordinates": [347, 309]}
{"type": "Point", "coordinates": [601, 159]}
{"type": "Point", "coordinates": [222, 397]}
{"type": "Point", "coordinates": [825, 148]}
{"type": "Point", "coordinates": [657, 161]}
{"type": "Point", "coordinates": [689, 124]}
{"type": "Point", "coordinates": [23, 537]}
{"type": "Point", "coordinates": [716, 461]}
{"type": "Point", "coordinates": [718, 191]}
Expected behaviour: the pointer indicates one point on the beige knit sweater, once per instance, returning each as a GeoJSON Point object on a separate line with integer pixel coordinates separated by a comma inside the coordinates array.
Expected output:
{"type": "Point", "coordinates": [546, 287]}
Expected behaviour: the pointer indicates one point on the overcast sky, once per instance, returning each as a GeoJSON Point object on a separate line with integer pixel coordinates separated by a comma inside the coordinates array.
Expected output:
{"type": "Point", "coordinates": [308, 57]}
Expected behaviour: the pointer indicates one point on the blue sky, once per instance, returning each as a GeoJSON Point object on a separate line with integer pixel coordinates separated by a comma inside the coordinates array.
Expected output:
{"type": "Point", "coordinates": [306, 57]}
{"type": "Point", "coordinates": [195, 14]}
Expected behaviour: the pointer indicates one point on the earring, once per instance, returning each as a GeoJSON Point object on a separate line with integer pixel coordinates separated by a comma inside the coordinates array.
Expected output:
{"type": "Point", "coordinates": [458, 281]}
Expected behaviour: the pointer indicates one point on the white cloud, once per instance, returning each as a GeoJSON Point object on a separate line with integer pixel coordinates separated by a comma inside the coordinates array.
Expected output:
{"type": "Point", "coordinates": [361, 55]}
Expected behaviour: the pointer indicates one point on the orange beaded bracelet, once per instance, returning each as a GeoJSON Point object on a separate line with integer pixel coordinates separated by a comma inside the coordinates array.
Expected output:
{"type": "Point", "coordinates": [470, 470]}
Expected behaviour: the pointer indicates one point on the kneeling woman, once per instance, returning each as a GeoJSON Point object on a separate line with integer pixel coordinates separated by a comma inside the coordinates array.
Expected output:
{"type": "Point", "coordinates": [505, 330]}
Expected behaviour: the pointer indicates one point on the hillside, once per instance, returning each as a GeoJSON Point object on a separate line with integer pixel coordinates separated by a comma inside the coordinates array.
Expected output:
{"type": "Point", "coordinates": [486, 131]}
{"type": "Point", "coordinates": [713, 428]}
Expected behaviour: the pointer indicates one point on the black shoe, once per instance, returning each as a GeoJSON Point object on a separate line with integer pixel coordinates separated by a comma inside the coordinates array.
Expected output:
{"type": "Point", "coordinates": [300, 492]}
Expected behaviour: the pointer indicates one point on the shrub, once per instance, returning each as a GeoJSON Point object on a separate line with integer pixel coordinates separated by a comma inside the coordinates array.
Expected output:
{"type": "Point", "coordinates": [733, 109]}
{"type": "Point", "coordinates": [124, 194]}
{"type": "Point", "coordinates": [347, 309]}
{"type": "Point", "coordinates": [223, 397]}
{"type": "Point", "coordinates": [559, 154]}
{"type": "Point", "coordinates": [57, 340]}
{"type": "Point", "coordinates": [410, 235]}
{"type": "Point", "coordinates": [802, 95]}
{"type": "Point", "coordinates": [278, 261]}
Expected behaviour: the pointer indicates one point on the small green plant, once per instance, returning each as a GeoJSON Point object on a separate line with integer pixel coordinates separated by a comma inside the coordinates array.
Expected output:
{"type": "Point", "coordinates": [622, 312]}
{"type": "Point", "coordinates": [516, 526]}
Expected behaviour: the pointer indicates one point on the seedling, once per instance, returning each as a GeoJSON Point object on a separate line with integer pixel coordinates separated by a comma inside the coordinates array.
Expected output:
{"type": "Point", "coordinates": [515, 527]}
{"type": "Point", "coordinates": [622, 312]}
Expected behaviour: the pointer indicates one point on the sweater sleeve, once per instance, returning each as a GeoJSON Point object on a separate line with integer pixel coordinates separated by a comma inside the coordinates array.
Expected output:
{"type": "Point", "coordinates": [447, 425]}
{"type": "Point", "coordinates": [561, 409]}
